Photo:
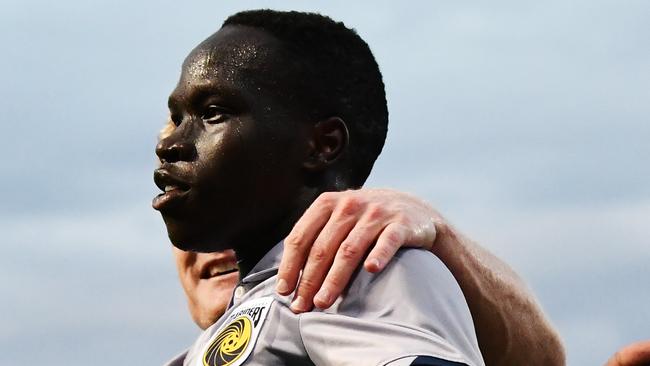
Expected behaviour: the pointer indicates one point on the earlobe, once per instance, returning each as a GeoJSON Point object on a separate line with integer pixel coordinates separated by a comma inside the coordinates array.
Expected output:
{"type": "Point", "coordinates": [329, 140]}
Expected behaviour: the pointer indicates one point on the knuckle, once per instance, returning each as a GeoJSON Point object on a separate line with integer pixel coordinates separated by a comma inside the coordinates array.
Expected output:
{"type": "Point", "coordinates": [294, 239]}
{"type": "Point", "coordinates": [350, 206]}
{"type": "Point", "coordinates": [401, 217]}
{"type": "Point", "coordinates": [349, 250]}
{"type": "Point", "coordinates": [335, 283]}
{"type": "Point", "coordinates": [405, 221]}
{"type": "Point", "coordinates": [382, 252]}
{"type": "Point", "coordinates": [318, 254]}
{"type": "Point", "coordinates": [326, 198]}
{"type": "Point", "coordinates": [393, 237]}
{"type": "Point", "coordinates": [285, 270]}
{"type": "Point", "coordinates": [307, 286]}
{"type": "Point", "coordinates": [375, 212]}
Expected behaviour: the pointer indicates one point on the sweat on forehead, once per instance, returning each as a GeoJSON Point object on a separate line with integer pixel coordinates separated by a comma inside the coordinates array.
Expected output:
{"type": "Point", "coordinates": [232, 48]}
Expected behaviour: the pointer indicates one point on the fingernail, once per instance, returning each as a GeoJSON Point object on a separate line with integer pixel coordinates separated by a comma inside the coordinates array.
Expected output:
{"type": "Point", "coordinates": [322, 297]}
{"type": "Point", "coordinates": [299, 304]}
{"type": "Point", "coordinates": [374, 264]}
{"type": "Point", "coordinates": [282, 286]}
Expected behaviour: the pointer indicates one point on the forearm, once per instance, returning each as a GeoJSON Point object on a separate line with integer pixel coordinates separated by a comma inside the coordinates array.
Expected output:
{"type": "Point", "coordinates": [510, 326]}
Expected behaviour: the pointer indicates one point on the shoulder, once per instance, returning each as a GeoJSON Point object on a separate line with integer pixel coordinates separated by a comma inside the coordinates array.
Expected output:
{"type": "Point", "coordinates": [417, 265]}
{"type": "Point", "coordinates": [416, 277]}
{"type": "Point", "coordinates": [414, 307]}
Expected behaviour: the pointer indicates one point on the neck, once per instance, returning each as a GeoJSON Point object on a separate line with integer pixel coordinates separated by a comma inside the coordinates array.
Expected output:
{"type": "Point", "coordinates": [251, 250]}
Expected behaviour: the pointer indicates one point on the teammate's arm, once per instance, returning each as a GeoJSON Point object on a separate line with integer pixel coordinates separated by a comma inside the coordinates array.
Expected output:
{"type": "Point", "coordinates": [335, 233]}
{"type": "Point", "coordinates": [635, 354]}
{"type": "Point", "coordinates": [511, 327]}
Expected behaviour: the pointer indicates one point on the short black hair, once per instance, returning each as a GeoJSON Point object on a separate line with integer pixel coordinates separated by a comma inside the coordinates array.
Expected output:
{"type": "Point", "coordinates": [336, 76]}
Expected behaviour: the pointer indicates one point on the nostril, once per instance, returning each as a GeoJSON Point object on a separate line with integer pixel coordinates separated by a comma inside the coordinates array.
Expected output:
{"type": "Point", "coordinates": [184, 151]}
{"type": "Point", "coordinates": [167, 153]}
{"type": "Point", "coordinates": [178, 151]}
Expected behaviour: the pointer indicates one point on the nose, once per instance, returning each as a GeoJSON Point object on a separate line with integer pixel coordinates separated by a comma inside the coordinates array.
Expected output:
{"type": "Point", "coordinates": [170, 151]}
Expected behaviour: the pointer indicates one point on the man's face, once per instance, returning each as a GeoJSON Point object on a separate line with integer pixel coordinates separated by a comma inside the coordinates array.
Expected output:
{"type": "Point", "coordinates": [208, 280]}
{"type": "Point", "coordinates": [230, 170]}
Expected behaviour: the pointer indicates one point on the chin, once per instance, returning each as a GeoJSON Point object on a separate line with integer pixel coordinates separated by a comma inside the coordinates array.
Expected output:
{"type": "Point", "coordinates": [199, 246]}
{"type": "Point", "coordinates": [212, 316]}
{"type": "Point", "coordinates": [193, 247]}
{"type": "Point", "coordinates": [205, 316]}
{"type": "Point", "coordinates": [211, 300]}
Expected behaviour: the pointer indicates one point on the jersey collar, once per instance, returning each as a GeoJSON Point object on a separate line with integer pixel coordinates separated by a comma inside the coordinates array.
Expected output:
{"type": "Point", "coordinates": [266, 267]}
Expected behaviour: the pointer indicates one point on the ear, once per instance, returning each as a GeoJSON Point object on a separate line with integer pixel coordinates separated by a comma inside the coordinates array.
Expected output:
{"type": "Point", "coordinates": [329, 141]}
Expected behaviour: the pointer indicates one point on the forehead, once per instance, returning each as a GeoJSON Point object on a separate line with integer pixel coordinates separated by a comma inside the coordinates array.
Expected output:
{"type": "Point", "coordinates": [234, 54]}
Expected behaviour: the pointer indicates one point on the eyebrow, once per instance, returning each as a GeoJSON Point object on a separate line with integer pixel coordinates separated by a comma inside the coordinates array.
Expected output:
{"type": "Point", "coordinates": [202, 91]}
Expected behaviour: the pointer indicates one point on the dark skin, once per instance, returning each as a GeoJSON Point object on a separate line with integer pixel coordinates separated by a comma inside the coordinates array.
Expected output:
{"type": "Point", "coordinates": [242, 165]}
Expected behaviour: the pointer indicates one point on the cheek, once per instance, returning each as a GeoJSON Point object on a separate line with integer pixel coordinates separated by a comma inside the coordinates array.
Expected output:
{"type": "Point", "coordinates": [190, 288]}
{"type": "Point", "coordinates": [219, 153]}
{"type": "Point", "coordinates": [184, 262]}
{"type": "Point", "coordinates": [210, 300]}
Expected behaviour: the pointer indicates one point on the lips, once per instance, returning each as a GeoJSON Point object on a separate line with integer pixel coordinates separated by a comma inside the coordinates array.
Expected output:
{"type": "Point", "coordinates": [219, 267]}
{"type": "Point", "coordinates": [174, 190]}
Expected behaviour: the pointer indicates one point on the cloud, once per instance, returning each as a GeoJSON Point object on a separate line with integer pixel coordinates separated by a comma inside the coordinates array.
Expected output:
{"type": "Point", "coordinates": [525, 124]}
{"type": "Point", "coordinates": [104, 283]}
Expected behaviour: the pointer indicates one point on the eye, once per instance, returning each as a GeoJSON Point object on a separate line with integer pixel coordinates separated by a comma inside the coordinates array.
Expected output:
{"type": "Point", "coordinates": [176, 119]}
{"type": "Point", "coordinates": [214, 114]}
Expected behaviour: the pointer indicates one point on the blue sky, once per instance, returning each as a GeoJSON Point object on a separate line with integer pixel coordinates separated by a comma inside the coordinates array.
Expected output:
{"type": "Point", "coordinates": [526, 124]}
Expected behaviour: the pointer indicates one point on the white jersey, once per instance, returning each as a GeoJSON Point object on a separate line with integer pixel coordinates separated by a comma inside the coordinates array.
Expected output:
{"type": "Point", "coordinates": [412, 313]}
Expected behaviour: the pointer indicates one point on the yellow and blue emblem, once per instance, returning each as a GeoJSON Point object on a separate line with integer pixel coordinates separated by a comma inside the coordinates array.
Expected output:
{"type": "Point", "coordinates": [230, 344]}
{"type": "Point", "coordinates": [234, 341]}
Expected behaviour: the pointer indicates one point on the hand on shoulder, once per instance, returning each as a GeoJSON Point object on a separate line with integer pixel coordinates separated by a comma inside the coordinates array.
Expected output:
{"type": "Point", "coordinates": [338, 231]}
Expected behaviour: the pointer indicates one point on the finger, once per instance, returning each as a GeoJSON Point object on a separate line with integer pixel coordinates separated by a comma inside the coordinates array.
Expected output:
{"type": "Point", "coordinates": [636, 354]}
{"type": "Point", "coordinates": [346, 261]}
{"type": "Point", "coordinates": [322, 255]}
{"type": "Point", "coordinates": [298, 243]}
{"type": "Point", "coordinates": [388, 242]}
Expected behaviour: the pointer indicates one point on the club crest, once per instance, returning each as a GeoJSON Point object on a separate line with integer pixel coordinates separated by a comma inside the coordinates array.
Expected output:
{"type": "Point", "coordinates": [235, 339]}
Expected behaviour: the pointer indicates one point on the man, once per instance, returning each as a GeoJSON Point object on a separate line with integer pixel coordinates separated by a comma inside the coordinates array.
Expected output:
{"type": "Point", "coordinates": [225, 113]}
{"type": "Point", "coordinates": [514, 328]}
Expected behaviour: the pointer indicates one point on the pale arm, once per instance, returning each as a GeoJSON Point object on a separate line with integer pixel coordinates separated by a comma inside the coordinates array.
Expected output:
{"type": "Point", "coordinates": [335, 233]}
{"type": "Point", "coordinates": [511, 327]}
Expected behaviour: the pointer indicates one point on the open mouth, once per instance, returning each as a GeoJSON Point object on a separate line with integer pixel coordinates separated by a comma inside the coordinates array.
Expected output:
{"type": "Point", "coordinates": [218, 269]}
{"type": "Point", "coordinates": [167, 182]}
{"type": "Point", "coordinates": [172, 189]}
